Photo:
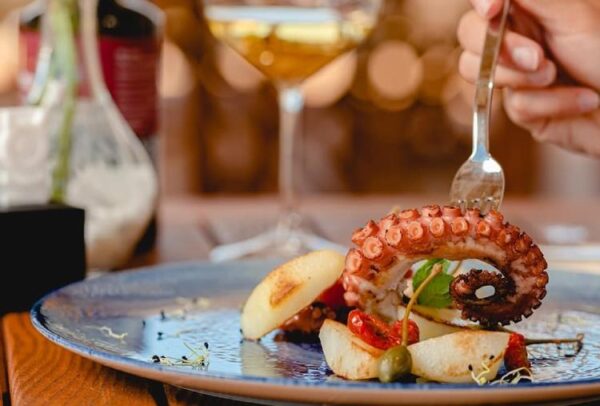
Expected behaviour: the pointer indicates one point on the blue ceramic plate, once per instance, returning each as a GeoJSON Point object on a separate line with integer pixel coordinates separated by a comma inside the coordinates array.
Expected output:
{"type": "Point", "coordinates": [124, 319]}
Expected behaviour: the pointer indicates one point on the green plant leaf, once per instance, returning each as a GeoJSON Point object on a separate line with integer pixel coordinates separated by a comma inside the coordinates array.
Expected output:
{"type": "Point", "coordinates": [437, 292]}
{"type": "Point", "coordinates": [425, 269]}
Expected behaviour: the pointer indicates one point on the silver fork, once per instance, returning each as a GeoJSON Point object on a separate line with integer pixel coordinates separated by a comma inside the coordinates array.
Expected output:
{"type": "Point", "coordinates": [479, 183]}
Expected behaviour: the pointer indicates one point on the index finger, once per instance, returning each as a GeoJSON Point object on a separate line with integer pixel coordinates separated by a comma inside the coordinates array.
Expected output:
{"type": "Point", "coordinates": [487, 8]}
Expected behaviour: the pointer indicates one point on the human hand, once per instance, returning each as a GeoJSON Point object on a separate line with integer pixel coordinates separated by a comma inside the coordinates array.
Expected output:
{"type": "Point", "coordinates": [549, 66]}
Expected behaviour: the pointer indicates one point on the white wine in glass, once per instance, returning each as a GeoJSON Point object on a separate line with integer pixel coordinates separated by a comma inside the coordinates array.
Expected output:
{"type": "Point", "coordinates": [288, 44]}
{"type": "Point", "coordinates": [288, 40]}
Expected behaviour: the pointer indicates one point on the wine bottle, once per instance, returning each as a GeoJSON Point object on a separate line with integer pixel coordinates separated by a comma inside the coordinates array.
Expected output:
{"type": "Point", "coordinates": [130, 33]}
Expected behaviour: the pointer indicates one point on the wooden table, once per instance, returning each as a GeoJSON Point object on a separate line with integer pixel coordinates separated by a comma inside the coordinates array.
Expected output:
{"type": "Point", "coordinates": [34, 371]}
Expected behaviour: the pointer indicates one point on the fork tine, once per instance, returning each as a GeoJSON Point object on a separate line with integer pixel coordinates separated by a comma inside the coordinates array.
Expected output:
{"type": "Point", "coordinates": [488, 204]}
{"type": "Point", "coordinates": [462, 204]}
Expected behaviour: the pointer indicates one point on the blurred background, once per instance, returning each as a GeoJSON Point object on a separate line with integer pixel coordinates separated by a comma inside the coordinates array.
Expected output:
{"type": "Point", "coordinates": [390, 117]}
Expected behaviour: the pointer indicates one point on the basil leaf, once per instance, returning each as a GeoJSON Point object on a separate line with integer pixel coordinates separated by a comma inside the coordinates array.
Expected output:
{"type": "Point", "coordinates": [424, 270]}
{"type": "Point", "coordinates": [437, 292]}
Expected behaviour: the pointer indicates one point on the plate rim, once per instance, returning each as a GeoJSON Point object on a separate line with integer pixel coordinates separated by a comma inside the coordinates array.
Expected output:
{"type": "Point", "coordinates": [297, 389]}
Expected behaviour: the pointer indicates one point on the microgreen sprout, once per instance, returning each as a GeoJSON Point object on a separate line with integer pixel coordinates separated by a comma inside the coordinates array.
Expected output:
{"type": "Point", "coordinates": [511, 377]}
{"type": "Point", "coordinates": [199, 358]}
{"type": "Point", "coordinates": [109, 333]}
{"type": "Point", "coordinates": [514, 377]}
{"type": "Point", "coordinates": [480, 379]}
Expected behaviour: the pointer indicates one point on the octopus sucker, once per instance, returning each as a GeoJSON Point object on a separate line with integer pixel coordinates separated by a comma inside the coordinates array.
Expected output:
{"type": "Point", "coordinates": [356, 262]}
{"type": "Point", "coordinates": [386, 223]}
{"type": "Point", "coordinates": [367, 231]}
{"type": "Point", "coordinates": [393, 236]}
{"type": "Point", "coordinates": [401, 239]}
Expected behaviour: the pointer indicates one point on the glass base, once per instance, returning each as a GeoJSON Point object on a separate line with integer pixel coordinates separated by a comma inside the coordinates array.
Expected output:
{"type": "Point", "coordinates": [280, 242]}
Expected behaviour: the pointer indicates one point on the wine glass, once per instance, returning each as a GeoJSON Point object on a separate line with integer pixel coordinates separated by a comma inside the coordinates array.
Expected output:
{"type": "Point", "coordinates": [288, 40]}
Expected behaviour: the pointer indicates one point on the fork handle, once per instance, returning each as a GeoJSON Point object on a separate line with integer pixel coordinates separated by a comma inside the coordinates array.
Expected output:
{"type": "Point", "coordinates": [485, 83]}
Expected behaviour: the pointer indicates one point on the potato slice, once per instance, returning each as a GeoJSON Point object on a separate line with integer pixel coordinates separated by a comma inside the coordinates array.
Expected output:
{"type": "Point", "coordinates": [444, 315]}
{"type": "Point", "coordinates": [288, 289]}
{"type": "Point", "coordinates": [442, 359]}
{"type": "Point", "coordinates": [434, 322]}
{"type": "Point", "coordinates": [447, 358]}
{"type": "Point", "coordinates": [431, 329]}
{"type": "Point", "coordinates": [346, 354]}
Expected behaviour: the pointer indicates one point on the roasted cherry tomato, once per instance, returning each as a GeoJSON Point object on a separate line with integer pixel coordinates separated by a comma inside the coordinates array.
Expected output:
{"type": "Point", "coordinates": [334, 296]}
{"type": "Point", "coordinates": [377, 333]}
{"type": "Point", "coordinates": [371, 330]}
{"type": "Point", "coordinates": [413, 331]}
{"type": "Point", "coordinates": [516, 353]}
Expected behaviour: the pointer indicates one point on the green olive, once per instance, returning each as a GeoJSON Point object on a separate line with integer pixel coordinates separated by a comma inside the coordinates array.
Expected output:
{"type": "Point", "coordinates": [394, 364]}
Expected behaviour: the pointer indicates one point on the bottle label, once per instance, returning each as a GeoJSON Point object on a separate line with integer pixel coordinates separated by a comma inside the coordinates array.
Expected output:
{"type": "Point", "coordinates": [29, 47]}
{"type": "Point", "coordinates": [130, 69]}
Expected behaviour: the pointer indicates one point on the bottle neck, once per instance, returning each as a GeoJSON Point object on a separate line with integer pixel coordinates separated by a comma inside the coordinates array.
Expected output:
{"type": "Point", "coordinates": [129, 19]}
{"type": "Point", "coordinates": [88, 32]}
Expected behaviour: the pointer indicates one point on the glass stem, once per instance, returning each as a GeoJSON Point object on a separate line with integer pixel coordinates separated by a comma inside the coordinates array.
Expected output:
{"type": "Point", "coordinates": [291, 104]}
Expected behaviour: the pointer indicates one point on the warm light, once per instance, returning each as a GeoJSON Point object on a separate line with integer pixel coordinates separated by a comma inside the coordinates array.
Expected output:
{"type": "Point", "coordinates": [395, 71]}
{"type": "Point", "coordinates": [8, 54]}
{"type": "Point", "coordinates": [437, 20]}
{"type": "Point", "coordinates": [331, 83]}
{"type": "Point", "coordinates": [236, 71]}
{"type": "Point", "coordinates": [8, 6]}
{"type": "Point", "coordinates": [439, 62]}
{"type": "Point", "coordinates": [176, 74]}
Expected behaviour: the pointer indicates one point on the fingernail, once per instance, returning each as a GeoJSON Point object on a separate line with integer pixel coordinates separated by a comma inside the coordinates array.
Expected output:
{"type": "Point", "coordinates": [483, 7]}
{"type": "Point", "coordinates": [588, 101]}
{"type": "Point", "coordinates": [526, 58]}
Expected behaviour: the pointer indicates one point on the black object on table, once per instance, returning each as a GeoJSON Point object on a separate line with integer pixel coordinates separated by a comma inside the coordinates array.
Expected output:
{"type": "Point", "coordinates": [42, 248]}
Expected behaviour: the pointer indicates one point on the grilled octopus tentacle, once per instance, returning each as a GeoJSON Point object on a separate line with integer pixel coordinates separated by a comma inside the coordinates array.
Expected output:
{"type": "Point", "coordinates": [386, 249]}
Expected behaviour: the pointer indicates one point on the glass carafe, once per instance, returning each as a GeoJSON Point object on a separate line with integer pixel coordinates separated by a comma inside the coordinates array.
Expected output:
{"type": "Point", "coordinates": [98, 162]}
